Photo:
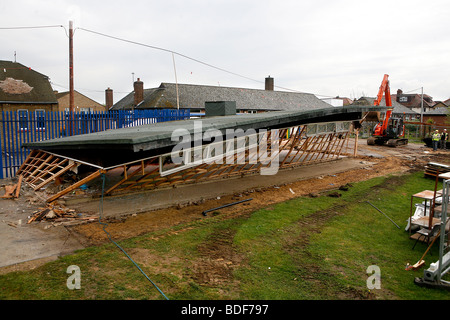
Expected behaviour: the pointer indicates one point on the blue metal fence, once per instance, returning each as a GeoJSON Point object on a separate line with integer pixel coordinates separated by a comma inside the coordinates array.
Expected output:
{"type": "Point", "coordinates": [18, 127]}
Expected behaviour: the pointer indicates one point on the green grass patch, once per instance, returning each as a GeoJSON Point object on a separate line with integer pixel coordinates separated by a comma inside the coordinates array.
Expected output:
{"type": "Point", "coordinates": [305, 248]}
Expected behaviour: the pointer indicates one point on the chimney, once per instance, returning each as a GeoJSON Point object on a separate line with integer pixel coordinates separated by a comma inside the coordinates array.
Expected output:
{"type": "Point", "coordinates": [399, 91]}
{"type": "Point", "coordinates": [108, 98]}
{"type": "Point", "coordinates": [138, 91]}
{"type": "Point", "coordinates": [269, 83]}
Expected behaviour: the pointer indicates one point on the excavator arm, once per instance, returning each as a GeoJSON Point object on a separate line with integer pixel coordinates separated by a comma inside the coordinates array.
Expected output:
{"type": "Point", "coordinates": [384, 89]}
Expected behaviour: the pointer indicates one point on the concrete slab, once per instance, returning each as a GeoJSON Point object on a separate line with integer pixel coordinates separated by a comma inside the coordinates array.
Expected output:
{"type": "Point", "coordinates": [23, 242]}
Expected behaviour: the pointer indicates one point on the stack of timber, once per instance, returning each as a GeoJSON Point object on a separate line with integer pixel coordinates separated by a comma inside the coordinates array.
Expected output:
{"type": "Point", "coordinates": [432, 169]}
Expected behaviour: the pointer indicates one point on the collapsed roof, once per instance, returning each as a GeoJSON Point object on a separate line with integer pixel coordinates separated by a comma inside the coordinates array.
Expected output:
{"type": "Point", "coordinates": [112, 147]}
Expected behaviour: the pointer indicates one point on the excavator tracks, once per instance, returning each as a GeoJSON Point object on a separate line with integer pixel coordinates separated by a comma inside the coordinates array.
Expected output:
{"type": "Point", "coordinates": [397, 142]}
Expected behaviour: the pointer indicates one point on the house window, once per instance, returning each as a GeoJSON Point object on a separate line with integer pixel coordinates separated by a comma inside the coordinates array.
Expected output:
{"type": "Point", "coordinates": [23, 119]}
{"type": "Point", "coordinates": [40, 119]}
{"type": "Point", "coordinates": [403, 99]}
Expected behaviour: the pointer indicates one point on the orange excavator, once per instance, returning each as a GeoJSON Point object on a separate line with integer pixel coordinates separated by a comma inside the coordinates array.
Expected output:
{"type": "Point", "coordinates": [391, 131]}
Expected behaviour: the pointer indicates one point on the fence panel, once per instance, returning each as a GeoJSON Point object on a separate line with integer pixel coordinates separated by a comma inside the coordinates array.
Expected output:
{"type": "Point", "coordinates": [19, 127]}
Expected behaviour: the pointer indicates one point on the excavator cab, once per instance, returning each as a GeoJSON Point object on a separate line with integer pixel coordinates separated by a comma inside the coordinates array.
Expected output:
{"type": "Point", "coordinates": [395, 128]}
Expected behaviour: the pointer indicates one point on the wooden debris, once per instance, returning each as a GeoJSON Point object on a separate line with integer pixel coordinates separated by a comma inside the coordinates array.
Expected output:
{"type": "Point", "coordinates": [9, 191]}
{"type": "Point", "coordinates": [19, 185]}
{"type": "Point", "coordinates": [13, 191]}
{"type": "Point", "coordinates": [56, 213]}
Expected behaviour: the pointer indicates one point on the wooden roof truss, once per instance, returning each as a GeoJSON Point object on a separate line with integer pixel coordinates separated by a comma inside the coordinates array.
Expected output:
{"type": "Point", "coordinates": [296, 146]}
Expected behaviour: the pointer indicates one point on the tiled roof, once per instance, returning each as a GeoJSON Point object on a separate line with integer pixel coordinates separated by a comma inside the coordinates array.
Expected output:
{"type": "Point", "coordinates": [19, 83]}
{"type": "Point", "coordinates": [398, 108]}
{"type": "Point", "coordinates": [195, 96]}
{"type": "Point", "coordinates": [438, 111]}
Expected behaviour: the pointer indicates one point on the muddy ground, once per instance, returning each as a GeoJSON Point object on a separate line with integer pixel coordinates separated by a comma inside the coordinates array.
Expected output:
{"type": "Point", "coordinates": [26, 245]}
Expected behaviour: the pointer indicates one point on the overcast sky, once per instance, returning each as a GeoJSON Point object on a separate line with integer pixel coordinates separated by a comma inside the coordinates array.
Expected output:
{"type": "Point", "coordinates": [325, 47]}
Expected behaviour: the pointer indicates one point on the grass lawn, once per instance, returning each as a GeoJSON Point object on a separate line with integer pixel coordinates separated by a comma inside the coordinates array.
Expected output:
{"type": "Point", "coordinates": [303, 249]}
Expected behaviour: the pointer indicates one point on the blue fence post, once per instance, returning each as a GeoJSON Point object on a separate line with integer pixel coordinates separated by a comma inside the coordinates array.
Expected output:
{"type": "Point", "coordinates": [1, 147]}
{"type": "Point", "coordinates": [1, 162]}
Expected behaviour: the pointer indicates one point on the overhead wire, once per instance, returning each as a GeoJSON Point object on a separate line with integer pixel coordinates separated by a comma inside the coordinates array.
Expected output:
{"type": "Point", "coordinates": [169, 51]}
{"type": "Point", "coordinates": [32, 27]}
{"type": "Point", "coordinates": [192, 59]}
{"type": "Point", "coordinates": [36, 27]}
{"type": "Point", "coordinates": [158, 48]}
{"type": "Point", "coordinates": [413, 90]}
{"type": "Point", "coordinates": [82, 89]}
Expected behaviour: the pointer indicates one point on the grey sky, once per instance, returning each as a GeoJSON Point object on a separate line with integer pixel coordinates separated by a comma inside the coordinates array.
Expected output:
{"type": "Point", "coordinates": [324, 47]}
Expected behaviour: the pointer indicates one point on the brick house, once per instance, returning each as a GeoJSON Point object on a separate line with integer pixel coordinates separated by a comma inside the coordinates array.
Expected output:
{"type": "Point", "coordinates": [22, 88]}
{"type": "Point", "coordinates": [438, 115]}
{"type": "Point", "coordinates": [413, 100]}
{"type": "Point", "coordinates": [25, 91]}
{"type": "Point", "coordinates": [81, 102]}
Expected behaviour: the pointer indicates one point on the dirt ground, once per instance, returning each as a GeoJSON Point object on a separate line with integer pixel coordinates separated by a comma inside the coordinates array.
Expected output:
{"type": "Point", "coordinates": [29, 245]}
{"type": "Point", "coordinates": [376, 161]}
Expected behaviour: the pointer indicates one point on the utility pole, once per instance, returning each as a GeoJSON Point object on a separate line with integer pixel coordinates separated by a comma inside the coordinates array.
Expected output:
{"type": "Point", "coordinates": [71, 95]}
{"type": "Point", "coordinates": [176, 81]}
{"type": "Point", "coordinates": [421, 116]}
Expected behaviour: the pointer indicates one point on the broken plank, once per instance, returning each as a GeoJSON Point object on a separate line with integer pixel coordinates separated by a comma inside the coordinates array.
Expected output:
{"type": "Point", "coordinates": [37, 167]}
{"type": "Point", "coordinates": [76, 185]}
{"type": "Point", "coordinates": [39, 215]}
{"type": "Point", "coordinates": [55, 175]}
{"type": "Point", "coordinates": [19, 184]}
{"type": "Point", "coordinates": [25, 163]}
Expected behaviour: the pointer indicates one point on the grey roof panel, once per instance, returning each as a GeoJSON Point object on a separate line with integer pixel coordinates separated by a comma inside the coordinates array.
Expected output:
{"type": "Point", "coordinates": [158, 135]}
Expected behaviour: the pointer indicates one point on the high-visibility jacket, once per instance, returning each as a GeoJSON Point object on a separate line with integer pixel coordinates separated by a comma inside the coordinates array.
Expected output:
{"type": "Point", "coordinates": [436, 136]}
{"type": "Point", "coordinates": [444, 136]}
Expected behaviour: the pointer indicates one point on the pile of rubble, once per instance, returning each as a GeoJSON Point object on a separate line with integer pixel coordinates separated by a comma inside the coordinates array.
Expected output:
{"type": "Point", "coordinates": [57, 213]}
